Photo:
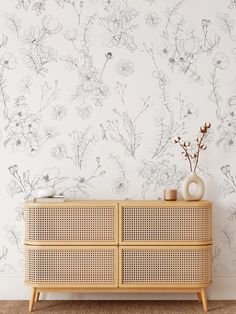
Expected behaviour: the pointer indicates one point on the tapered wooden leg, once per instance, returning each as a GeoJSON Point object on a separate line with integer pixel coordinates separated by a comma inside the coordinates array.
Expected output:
{"type": "Point", "coordinates": [31, 304]}
{"type": "Point", "coordinates": [37, 296]}
{"type": "Point", "coordinates": [204, 300]}
{"type": "Point", "coordinates": [199, 297]}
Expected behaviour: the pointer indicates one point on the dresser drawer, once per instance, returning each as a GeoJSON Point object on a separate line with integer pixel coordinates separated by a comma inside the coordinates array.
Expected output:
{"type": "Point", "coordinates": [61, 266]}
{"type": "Point", "coordinates": [165, 225]}
{"type": "Point", "coordinates": [71, 224]}
{"type": "Point", "coordinates": [158, 266]}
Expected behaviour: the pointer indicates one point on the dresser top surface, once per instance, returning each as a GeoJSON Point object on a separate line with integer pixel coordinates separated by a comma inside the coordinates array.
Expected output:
{"type": "Point", "coordinates": [124, 203]}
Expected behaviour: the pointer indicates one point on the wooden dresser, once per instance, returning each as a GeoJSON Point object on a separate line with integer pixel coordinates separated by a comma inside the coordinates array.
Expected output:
{"type": "Point", "coordinates": [118, 246]}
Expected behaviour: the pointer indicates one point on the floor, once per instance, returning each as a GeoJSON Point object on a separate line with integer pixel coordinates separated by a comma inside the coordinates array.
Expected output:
{"type": "Point", "coordinates": [118, 307]}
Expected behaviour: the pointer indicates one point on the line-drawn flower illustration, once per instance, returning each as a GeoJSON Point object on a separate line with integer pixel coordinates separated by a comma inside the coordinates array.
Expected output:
{"type": "Point", "coordinates": [182, 46]}
{"type": "Point", "coordinates": [50, 132]}
{"type": "Point", "coordinates": [225, 115]}
{"type": "Point", "coordinates": [226, 235]}
{"type": "Point", "coordinates": [71, 35]}
{"type": "Point", "coordinates": [20, 211]}
{"type": "Point", "coordinates": [229, 185]}
{"type": "Point", "coordinates": [13, 23]}
{"type": "Point", "coordinates": [91, 90]}
{"type": "Point", "coordinates": [119, 25]}
{"type": "Point", "coordinates": [184, 53]}
{"type": "Point", "coordinates": [23, 127]}
{"type": "Point", "coordinates": [83, 183]}
{"type": "Point", "coordinates": [24, 84]}
{"type": "Point", "coordinates": [58, 112]}
{"type": "Point", "coordinates": [28, 186]}
{"type": "Point", "coordinates": [232, 4]}
{"type": "Point", "coordinates": [81, 143]}
{"type": "Point", "coordinates": [37, 54]}
{"type": "Point", "coordinates": [231, 210]}
{"type": "Point", "coordinates": [152, 19]}
{"type": "Point", "coordinates": [37, 6]}
{"type": "Point", "coordinates": [59, 151]}
{"type": "Point", "coordinates": [4, 41]}
{"type": "Point", "coordinates": [208, 45]}
{"type": "Point", "coordinates": [160, 175]}
{"type": "Point", "coordinates": [220, 62]}
{"type": "Point", "coordinates": [23, 4]}
{"type": "Point", "coordinates": [123, 129]}
{"type": "Point", "coordinates": [50, 26]}
{"type": "Point", "coordinates": [48, 94]}
{"type": "Point", "coordinates": [50, 177]}
{"type": "Point", "coordinates": [4, 97]}
{"type": "Point", "coordinates": [227, 140]}
{"type": "Point", "coordinates": [227, 126]}
{"type": "Point", "coordinates": [7, 268]}
{"type": "Point", "coordinates": [218, 267]}
{"type": "Point", "coordinates": [3, 254]}
{"type": "Point", "coordinates": [76, 5]}
{"type": "Point", "coordinates": [13, 235]}
{"type": "Point", "coordinates": [226, 24]}
{"type": "Point", "coordinates": [215, 254]}
{"type": "Point", "coordinates": [170, 13]}
{"type": "Point", "coordinates": [166, 126]}
{"type": "Point", "coordinates": [125, 67]}
{"type": "Point", "coordinates": [8, 61]}
{"type": "Point", "coordinates": [103, 132]}
{"type": "Point", "coordinates": [120, 185]}
{"type": "Point", "coordinates": [187, 110]}
{"type": "Point", "coordinates": [84, 111]}
{"type": "Point", "coordinates": [91, 85]}
{"type": "Point", "coordinates": [159, 75]}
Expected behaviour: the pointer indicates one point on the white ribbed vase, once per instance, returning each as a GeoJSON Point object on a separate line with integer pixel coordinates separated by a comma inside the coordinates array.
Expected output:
{"type": "Point", "coordinates": [193, 178]}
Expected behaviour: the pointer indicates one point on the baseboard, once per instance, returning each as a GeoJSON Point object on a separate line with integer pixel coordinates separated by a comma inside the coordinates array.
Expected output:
{"type": "Point", "coordinates": [13, 288]}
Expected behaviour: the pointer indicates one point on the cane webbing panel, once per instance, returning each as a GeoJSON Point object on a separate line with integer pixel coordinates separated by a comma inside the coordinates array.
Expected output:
{"type": "Point", "coordinates": [80, 267]}
{"type": "Point", "coordinates": [166, 266]}
{"type": "Point", "coordinates": [71, 224]}
{"type": "Point", "coordinates": [165, 224]}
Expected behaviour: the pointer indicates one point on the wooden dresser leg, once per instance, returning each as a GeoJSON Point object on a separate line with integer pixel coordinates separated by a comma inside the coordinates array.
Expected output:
{"type": "Point", "coordinates": [37, 296]}
{"type": "Point", "coordinates": [199, 297]}
{"type": "Point", "coordinates": [204, 300]}
{"type": "Point", "coordinates": [31, 304]}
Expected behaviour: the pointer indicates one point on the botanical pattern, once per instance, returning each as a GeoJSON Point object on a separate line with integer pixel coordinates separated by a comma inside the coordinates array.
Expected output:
{"type": "Point", "coordinates": [119, 24]}
{"type": "Point", "coordinates": [92, 94]}
{"type": "Point", "coordinates": [160, 174]}
{"type": "Point", "coordinates": [120, 184]}
{"type": "Point", "coordinates": [123, 129]}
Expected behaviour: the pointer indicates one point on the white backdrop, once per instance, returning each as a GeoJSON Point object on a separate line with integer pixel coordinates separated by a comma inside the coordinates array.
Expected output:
{"type": "Point", "coordinates": [91, 95]}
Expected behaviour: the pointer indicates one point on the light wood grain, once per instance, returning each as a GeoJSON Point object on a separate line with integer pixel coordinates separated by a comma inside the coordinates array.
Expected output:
{"type": "Point", "coordinates": [31, 304]}
{"type": "Point", "coordinates": [118, 245]}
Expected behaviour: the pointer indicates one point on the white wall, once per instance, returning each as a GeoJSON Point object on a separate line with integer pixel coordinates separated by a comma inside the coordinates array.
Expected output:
{"type": "Point", "coordinates": [116, 80]}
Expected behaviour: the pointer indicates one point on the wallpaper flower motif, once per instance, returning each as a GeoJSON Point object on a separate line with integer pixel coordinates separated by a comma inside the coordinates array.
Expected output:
{"type": "Point", "coordinates": [92, 94]}
{"type": "Point", "coordinates": [119, 24]}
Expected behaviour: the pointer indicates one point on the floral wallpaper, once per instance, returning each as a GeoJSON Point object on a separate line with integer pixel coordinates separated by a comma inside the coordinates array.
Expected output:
{"type": "Point", "coordinates": [92, 94]}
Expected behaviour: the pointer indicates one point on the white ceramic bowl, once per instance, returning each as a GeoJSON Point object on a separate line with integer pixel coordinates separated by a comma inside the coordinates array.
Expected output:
{"type": "Point", "coordinates": [46, 192]}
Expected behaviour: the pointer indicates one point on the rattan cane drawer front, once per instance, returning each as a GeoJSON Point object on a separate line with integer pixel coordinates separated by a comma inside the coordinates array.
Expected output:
{"type": "Point", "coordinates": [88, 266]}
{"type": "Point", "coordinates": [155, 266]}
{"type": "Point", "coordinates": [81, 225]}
{"type": "Point", "coordinates": [153, 225]}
